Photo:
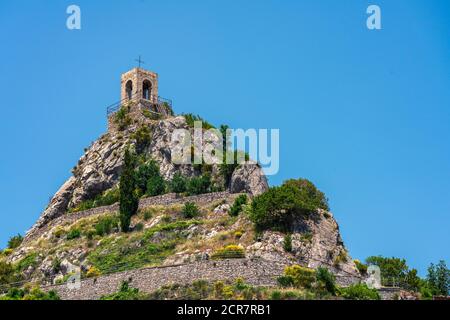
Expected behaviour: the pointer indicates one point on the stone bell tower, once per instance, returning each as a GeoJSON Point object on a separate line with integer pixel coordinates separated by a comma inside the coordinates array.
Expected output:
{"type": "Point", "coordinates": [139, 84]}
{"type": "Point", "coordinates": [139, 97]}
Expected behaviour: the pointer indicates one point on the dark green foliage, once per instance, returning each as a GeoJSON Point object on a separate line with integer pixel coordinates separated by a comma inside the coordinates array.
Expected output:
{"type": "Point", "coordinates": [156, 186]}
{"type": "Point", "coordinates": [287, 243]}
{"type": "Point", "coordinates": [178, 183]}
{"type": "Point", "coordinates": [129, 201]}
{"type": "Point", "coordinates": [236, 208]}
{"type": "Point", "coordinates": [285, 281]}
{"type": "Point", "coordinates": [143, 137]}
{"type": "Point", "coordinates": [125, 293]}
{"type": "Point", "coordinates": [107, 198]}
{"type": "Point", "coordinates": [359, 292]}
{"type": "Point", "coordinates": [326, 279]}
{"type": "Point", "coordinates": [105, 225]}
{"type": "Point", "coordinates": [439, 278]}
{"type": "Point", "coordinates": [191, 118]}
{"type": "Point", "coordinates": [27, 261]}
{"type": "Point", "coordinates": [393, 270]}
{"type": "Point", "coordinates": [144, 173]}
{"type": "Point", "coordinates": [121, 118]}
{"type": "Point", "coordinates": [74, 234]}
{"type": "Point", "coordinates": [15, 241]}
{"type": "Point", "coordinates": [30, 294]}
{"type": "Point", "coordinates": [190, 210]}
{"type": "Point", "coordinates": [7, 273]}
{"type": "Point", "coordinates": [278, 207]}
{"type": "Point", "coordinates": [199, 185]}
{"type": "Point", "coordinates": [227, 169]}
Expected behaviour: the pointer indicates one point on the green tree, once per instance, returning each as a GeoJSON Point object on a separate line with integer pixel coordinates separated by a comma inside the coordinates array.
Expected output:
{"type": "Point", "coordinates": [199, 185]}
{"type": "Point", "coordinates": [15, 241]}
{"type": "Point", "coordinates": [439, 278]}
{"type": "Point", "coordinates": [129, 201]}
{"type": "Point", "coordinates": [156, 186]}
{"type": "Point", "coordinates": [236, 208]}
{"type": "Point", "coordinates": [278, 207]}
{"type": "Point", "coordinates": [178, 183]}
{"type": "Point", "coordinates": [144, 173]}
{"type": "Point", "coordinates": [392, 269]}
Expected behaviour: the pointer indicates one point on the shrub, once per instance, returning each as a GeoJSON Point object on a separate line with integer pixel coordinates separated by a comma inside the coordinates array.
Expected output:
{"type": "Point", "coordinates": [147, 214]}
{"type": "Point", "coordinates": [93, 272]}
{"type": "Point", "coordinates": [238, 234]}
{"type": "Point", "coordinates": [144, 172]}
{"type": "Point", "coordinates": [236, 208]}
{"type": "Point", "coordinates": [362, 268]}
{"type": "Point", "coordinates": [275, 295]}
{"type": "Point", "coordinates": [7, 251]}
{"type": "Point", "coordinates": [278, 207]}
{"type": "Point", "coordinates": [190, 210]}
{"type": "Point", "coordinates": [129, 201]}
{"type": "Point", "coordinates": [108, 198]}
{"type": "Point", "coordinates": [191, 118]}
{"type": "Point", "coordinates": [73, 234]}
{"type": "Point", "coordinates": [121, 118]}
{"type": "Point", "coordinates": [178, 183]}
{"type": "Point", "coordinates": [359, 292]}
{"type": "Point", "coordinates": [15, 241]}
{"type": "Point", "coordinates": [285, 281]}
{"type": "Point", "coordinates": [342, 257]}
{"type": "Point", "coordinates": [30, 294]}
{"type": "Point", "coordinates": [326, 279]}
{"type": "Point", "coordinates": [287, 243]}
{"type": "Point", "coordinates": [302, 277]}
{"type": "Point", "coordinates": [229, 252]}
{"type": "Point", "coordinates": [7, 274]}
{"type": "Point", "coordinates": [199, 185]}
{"type": "Point", "coordinates": [143, 137]}
{"type": "Point", "coordinates": [139, 227]}
{"type": "Point", "coordinates": [156, 186]}
{"type": "Point", "coordinates": [105, 225]}
{"type": "Point", "coordinates": [26, 262]}
{"type": "Point", "coordinates": [125, 293]}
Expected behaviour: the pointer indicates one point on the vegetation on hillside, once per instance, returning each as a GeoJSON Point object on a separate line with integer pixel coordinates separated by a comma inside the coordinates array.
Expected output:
{"type": "Point", "coordinates": [279, 207]}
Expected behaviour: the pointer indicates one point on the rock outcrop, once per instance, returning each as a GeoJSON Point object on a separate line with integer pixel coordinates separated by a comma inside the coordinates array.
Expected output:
{"type": "Point", "coordinates": [248, 178]}
{"type": "Point", "coordinates": [99, 168]}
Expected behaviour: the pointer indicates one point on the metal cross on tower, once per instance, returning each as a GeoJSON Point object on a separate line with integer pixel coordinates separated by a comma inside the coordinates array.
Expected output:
{"type": "Point", "coordinates": [139, 61]}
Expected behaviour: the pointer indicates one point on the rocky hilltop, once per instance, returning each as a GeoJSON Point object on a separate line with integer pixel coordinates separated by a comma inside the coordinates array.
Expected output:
{"type": "Point", "coordinates": [69, 234]}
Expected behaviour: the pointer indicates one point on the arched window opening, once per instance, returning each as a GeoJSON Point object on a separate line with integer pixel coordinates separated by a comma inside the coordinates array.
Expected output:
{"type": "Point", "coordinates": [129, 89]}
{"type": "Point", "coordinates": [146, 90]}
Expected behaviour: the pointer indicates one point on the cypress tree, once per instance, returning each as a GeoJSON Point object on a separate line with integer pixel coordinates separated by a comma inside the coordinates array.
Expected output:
{"type": "Point", "coordinates": [129, 201]}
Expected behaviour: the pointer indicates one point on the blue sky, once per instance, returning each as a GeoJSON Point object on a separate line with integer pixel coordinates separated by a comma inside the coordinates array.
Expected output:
{"type": "Point", "coordinates": [363, 114]}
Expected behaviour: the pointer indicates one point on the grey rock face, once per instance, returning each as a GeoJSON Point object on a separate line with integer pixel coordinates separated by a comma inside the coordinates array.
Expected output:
{"type": "Point", "coordinates": [99, 168]}
{"type": "Point", "coordinates": [316, 241]}
{"type": "Point", "coordinates": [248, 178]}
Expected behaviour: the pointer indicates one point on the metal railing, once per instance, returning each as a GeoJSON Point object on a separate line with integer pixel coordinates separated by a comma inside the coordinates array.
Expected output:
{"type": "Point", "coordinates": [156, 102]}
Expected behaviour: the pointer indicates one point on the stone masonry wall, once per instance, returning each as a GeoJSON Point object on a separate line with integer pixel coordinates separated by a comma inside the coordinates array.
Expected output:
{"type": "Point", "coordinates": [163, 200]}
{"type": "Point", "coordinates": [256, 272]}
